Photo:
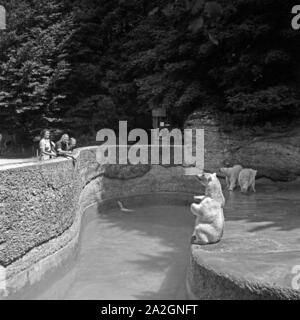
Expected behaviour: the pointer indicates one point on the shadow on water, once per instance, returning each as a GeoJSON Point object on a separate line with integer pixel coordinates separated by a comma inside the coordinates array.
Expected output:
{"type": "Point", "coordinates": [142, 255]}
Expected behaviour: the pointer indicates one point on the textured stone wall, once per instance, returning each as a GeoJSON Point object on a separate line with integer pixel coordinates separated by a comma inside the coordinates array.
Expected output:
{"type": "Point", "coordinates": [37, 202]}
{"type": "Point", "coordinates": [206, 282]}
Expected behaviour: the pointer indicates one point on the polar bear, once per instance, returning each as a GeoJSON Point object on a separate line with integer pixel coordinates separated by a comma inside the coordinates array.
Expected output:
{"type": "Point", "coordinates": [247, 179]}
{"type": "Point", "coordinates": [213, 188]}
{"type": "Point", "coordinates": [209, 224]}
{"type": "Point", "coordinates": [232, 175]}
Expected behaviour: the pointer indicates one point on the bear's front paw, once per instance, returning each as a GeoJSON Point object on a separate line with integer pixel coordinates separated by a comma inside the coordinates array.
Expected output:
{"type": "Point", "coordinates": [199, 198]}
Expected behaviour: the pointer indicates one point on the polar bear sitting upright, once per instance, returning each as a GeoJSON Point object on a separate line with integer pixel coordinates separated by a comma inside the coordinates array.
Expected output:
{"type": "Point", "coordinates": [209, 221]}
{"type": "Point", "coordinates": [213, 188]}
{"type": "Point", "coordinates": [247, 179]}
{"type": "Point", "coordinates": [232, 175]}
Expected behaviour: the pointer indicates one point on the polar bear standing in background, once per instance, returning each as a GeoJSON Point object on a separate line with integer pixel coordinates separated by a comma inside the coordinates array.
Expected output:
{"type": "Point", "coordinates": [232, 175]}
{"type": "Point", "coordinates": [247, 179]}
{"type": "Point", "coordinates": [209, 221]}
{"type": "Point", "coordinates": [213, 188]}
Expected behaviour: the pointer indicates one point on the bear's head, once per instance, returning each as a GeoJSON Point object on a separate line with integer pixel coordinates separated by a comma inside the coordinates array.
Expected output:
{"type": "Point", "coordinates": [205, 178]}
{"type": "Point", "coordinates": [244, 188]}
{"type": "Point", "coordinates": [244, 183]}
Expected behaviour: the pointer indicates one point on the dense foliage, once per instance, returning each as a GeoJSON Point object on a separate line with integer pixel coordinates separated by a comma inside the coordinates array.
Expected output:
{"type": "Point", "coordinates": [34, 61]}
{"type": "Point", "coordinates": [89, 63]}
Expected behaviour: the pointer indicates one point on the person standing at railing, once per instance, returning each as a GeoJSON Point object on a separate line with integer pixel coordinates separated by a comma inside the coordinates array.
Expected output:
{"type": "Point", "coordinates": [46, 146]}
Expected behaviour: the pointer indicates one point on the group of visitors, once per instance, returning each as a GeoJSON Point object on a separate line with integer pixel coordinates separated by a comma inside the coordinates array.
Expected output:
{"type": "Point", "coordinates": [62, 148]}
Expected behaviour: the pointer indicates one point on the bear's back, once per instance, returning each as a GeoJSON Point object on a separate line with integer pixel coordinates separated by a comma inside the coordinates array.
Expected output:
{"type": "Point", "coordinates": [214, 190]}
{"type": "Point", "coordinates": [211, 211]}
{"type": "Point", "coordinates": [237, 169]}
{"type": "Point", "coordinates": [247, 174]}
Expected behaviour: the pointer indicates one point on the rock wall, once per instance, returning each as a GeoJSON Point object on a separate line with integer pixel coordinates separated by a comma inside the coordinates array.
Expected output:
{"type": "Point", "coordinates": [274, 150]}
{"type": "Point", "coordinates": [38, 202]}
{"type": "Point", "coordinates": [41, 206]}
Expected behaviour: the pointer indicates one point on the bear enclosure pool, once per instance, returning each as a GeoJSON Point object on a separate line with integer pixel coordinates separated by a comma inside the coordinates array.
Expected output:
{"type": "Point", "coordinates": [138, 255]}
{"type": "Point", "coordinates": [105, 253]}
{"type": "Point", "coordinates": [144, 253]}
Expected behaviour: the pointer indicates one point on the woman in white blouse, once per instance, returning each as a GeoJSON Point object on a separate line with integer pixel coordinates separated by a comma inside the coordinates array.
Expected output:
{"type": "Point", "coordinates": [46, 146]}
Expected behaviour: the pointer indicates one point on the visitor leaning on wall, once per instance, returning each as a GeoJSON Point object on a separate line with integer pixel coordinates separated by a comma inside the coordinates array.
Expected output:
{"type": "Point", "coordinates": [65, 146]}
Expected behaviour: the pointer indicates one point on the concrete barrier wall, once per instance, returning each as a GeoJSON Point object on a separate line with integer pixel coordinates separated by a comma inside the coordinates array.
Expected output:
{"type": "Point", "coordinates": [205, 282]}
{"type": "Point", "coordinates": [41, 206]}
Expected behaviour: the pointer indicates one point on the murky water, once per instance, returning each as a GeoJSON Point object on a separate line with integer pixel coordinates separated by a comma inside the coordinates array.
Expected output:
{"type": "Point", "coordinates": [138, 255]}
{"type": "Point", "coordinates": [144, 254]}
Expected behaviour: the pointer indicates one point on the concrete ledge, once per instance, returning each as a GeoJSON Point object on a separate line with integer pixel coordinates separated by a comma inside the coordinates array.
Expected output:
{"type": "Point", "coordinates": [243, 267]}
{"type": "Point", "coordinates": [206, 282]}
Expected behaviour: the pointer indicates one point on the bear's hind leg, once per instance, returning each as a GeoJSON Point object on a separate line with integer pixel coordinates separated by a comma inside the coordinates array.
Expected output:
{"type": "Point", "coordinates": [206, 234]}
{"type": "Point", "coordinates": [200, 234]}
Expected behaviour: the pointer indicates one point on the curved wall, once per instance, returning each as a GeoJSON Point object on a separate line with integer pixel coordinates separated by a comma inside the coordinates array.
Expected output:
{"type": "Point", "coordinates": [41, 206]}
{"type": "Point", "coordinates": [205, 281]}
